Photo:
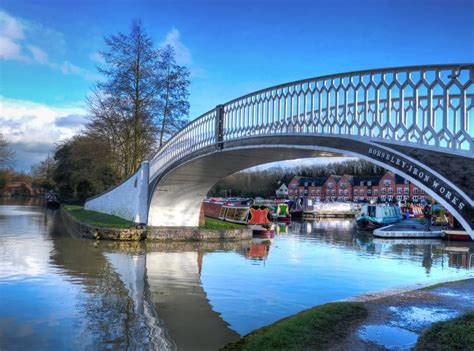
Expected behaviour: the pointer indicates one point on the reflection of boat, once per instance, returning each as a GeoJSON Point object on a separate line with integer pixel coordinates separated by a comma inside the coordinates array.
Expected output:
{"type": "Point", "coordinates": [374, 216]}
{"type": "Point", "coordinates": [327, 209]}
{"type": "Point", "coordinates": [282, 228]}
{"type": "Point", "coordinates": [258, 250]}
{"type": "Point", "coordinates": [409, 241]}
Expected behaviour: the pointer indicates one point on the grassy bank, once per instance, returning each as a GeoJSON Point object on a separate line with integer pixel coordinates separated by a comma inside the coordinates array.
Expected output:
{"type": "Point", "coordinates": [311, 329]}
{"type": "Point", "coordinates": [97, 219]}
{"type": "Point", "coordinates": [216, 224]}
{"type": "Point", "coordinates": [455, 334]}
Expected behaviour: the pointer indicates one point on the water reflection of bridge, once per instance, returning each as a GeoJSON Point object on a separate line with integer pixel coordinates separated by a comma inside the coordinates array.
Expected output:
{"type": "Point", "coordinates": [148, 290]}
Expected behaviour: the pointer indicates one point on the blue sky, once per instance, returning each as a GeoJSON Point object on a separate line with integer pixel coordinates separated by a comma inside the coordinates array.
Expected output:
{"type": "Point", "coordinates": [48, 50]}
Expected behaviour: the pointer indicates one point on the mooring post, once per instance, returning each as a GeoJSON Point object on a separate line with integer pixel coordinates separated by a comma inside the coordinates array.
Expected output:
{"type": "Point", "coordinates": [219, 127]}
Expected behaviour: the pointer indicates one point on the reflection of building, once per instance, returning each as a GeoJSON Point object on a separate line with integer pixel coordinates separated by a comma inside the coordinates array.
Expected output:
{"type": "Point", "coordinates": [460, 257]}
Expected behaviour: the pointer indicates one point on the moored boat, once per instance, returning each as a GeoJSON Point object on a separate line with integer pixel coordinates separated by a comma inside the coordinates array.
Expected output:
{"type": "Point", "coordinates": [314, 209]}
{"type": "Point", "coordinates": [456, 235]}
{"type": "Point", "coordinates": [283, 214]}
{"type": "Point", "coordinates": [52, 200]}
{"type": "Point", "coordinates": [375, 216]}
{"type": "Point", "coordinates": [259, 222]}
{"type": "Point", "coordinates": [235, 211]}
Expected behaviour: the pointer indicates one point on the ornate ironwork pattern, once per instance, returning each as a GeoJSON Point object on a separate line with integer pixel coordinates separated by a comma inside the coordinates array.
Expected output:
{"type": "Point", "coordinates": [428, 106]}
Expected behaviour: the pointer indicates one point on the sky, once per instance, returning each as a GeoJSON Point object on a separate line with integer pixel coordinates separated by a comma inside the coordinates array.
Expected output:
{"type": "Point", "coordinates": [49, 50]}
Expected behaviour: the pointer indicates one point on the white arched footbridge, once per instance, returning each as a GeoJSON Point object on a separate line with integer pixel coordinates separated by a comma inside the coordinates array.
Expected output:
{"type": "Point", "coordinates": [415, 121]}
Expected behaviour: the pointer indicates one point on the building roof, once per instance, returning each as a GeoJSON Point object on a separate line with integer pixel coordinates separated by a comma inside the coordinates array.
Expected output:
{"type": "Point", "coordinates": [363, 180]}
{"type": "Point", "coordinates": [399, 179]}
{"type": "Point", "coordinates": [312, 181]}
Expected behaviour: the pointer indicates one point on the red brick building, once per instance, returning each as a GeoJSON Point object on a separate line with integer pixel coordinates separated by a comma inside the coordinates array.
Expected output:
{"type": "Point", "coordinates": [389, 188]}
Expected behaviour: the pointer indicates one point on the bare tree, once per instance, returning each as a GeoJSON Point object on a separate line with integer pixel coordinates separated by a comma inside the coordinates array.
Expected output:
{"type": "Point", "coordinates": [172, 85]}
{"type": "Point", "coordinates": [141, 102]}
{"type": "Point", "coordinates": [6, 153]}
{"type": "Point", "coordinates": [124, 104]}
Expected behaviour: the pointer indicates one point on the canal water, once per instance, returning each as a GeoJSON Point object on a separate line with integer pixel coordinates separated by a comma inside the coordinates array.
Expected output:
{"type": "Point", "coordinates": [58, 291]}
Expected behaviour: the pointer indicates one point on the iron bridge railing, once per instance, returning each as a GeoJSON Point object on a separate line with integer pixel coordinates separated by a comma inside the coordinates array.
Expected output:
{"type": "Point", "coordinates": [430, 106]}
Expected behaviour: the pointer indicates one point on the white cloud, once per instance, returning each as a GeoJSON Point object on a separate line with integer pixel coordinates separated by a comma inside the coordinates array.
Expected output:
{"type": "Point", "coordinates": [38, 55]}
{"type": "Point", "coordinates": [33, 128]}
{"type": "Point", "coordinates": [97, 58]}
{"type": "Point", "coordinates": [10, 27]}
{"type": "Point", "coordinates": [183, 55]}
{"type": "Point", "coordinates": [21, 40]}
{"type": "Point", "coordinates": [9, 50]}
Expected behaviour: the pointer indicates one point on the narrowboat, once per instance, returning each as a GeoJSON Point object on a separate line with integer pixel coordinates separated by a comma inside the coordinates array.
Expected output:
{"type": "Point", "coordinates": [260, 223]}
{"type": "Point", "coordinates": [455, 231]}
{"type": "Point", "coordinates": [313, 209]}
{"type": "Point", "coordinates": [374, 216]}
{"type": "Point", "coordinates": [234, 211]}
{"type": "Point", "coordinates": [456, 234]}
{"type": "Point", "coordinates": [52, 200]}
{"type": "Point", "coordinates": [282, 213]}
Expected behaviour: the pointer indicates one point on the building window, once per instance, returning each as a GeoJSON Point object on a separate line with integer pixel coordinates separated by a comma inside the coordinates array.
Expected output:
{"type": "Point", "coordinates": [330, 185]}
{"type": "Point", "coordinates": [369, 183]}
{"type": "Point", "coordinates": [415, 190]}
{"type": "Point", "coordinates": [376, 192]}
{"type": "Point", "coordinates": [399, 191]}
{"type": "Point", "coordinates": [318, 192]}
{"type": "Point", "coordinates": [383, 191]}
{"type": "Point", "coordinates": [387, 182]}
{"type": "Point", "coordinates": [423, 192]}
{"type": "Point", "coordinates": [361, 192]}
{"type": "Point", "coordinates": [343, 185]}
{"type": "Point", "coordinates": [399, 197]}
{"type": "Point", "coordinates": [390, 190]}
{"type": "Point", "coordinates": [415, 198]}
{"type": "Point", "coordinates": [369, 191]}
{"type": "Point", "coordinates": [356, 192]}
{"type": "Point", "coordinates": [406, 190]}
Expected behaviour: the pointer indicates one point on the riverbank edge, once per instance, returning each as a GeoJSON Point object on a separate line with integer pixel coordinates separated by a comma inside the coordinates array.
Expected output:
{"type": "Point", "coordinates": [293, 322]}
{"type": "Point", "coordinates": [151, 233]}
{"type": "Point", "coordinates": [88, 231]}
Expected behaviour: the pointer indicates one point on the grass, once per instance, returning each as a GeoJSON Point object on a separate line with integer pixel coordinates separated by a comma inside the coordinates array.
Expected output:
{"type": "Point", "coordinates": [455, 334]}
{"type": "Point", "coordinates": [216, 224]}
{"type": "Point", "coordinates": [97, 219]}
{"type": "Point", "coordinates": [313, 329]}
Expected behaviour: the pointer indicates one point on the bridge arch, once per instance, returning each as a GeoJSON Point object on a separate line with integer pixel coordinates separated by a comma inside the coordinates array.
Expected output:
{"type": "Point", "coordinates": [176, 197]}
